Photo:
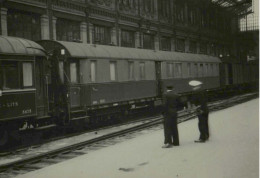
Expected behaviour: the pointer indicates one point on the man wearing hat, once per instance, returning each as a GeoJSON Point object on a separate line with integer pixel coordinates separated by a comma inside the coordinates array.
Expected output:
{"type": "Point", "coordinates": [171, 102]}
{"type": "Point", "coordinates": [199, 99]}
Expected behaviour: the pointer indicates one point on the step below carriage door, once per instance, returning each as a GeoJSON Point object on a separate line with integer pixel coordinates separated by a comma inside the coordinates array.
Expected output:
{"type": "Point", "coordinates": [74, 80]}
{"type": "Point", "coordinates": [158, 78]}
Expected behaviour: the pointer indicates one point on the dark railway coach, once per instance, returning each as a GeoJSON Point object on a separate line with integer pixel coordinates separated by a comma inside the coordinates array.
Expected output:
{"type": "Point", "coordinates": [21, 91]}
{"type": "Point", "coordinates": [52, 83]}
{"type": "Point", "coordinates": [100, 80]}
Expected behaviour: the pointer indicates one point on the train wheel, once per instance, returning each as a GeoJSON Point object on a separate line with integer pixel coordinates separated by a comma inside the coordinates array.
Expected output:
{"type": "Point", "coordinates": [3, 137]}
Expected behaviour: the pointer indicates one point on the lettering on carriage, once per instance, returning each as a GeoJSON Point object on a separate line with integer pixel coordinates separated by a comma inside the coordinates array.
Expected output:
{"type": "Point", "coordinates": [27, 111]}
{"type": "Point", "coordinates": [9, 104]}
{"type": "Point", "coordinates": [12, 104]}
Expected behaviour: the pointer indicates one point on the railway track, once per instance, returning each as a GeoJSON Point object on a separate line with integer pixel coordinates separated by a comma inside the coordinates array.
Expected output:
{"type": "Point", "coordinates": [42, 159]}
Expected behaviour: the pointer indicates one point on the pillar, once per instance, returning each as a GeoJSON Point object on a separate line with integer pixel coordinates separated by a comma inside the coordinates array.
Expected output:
{"type": "Point", "coordinates": [83, 32]}
{"type": "Point", "coordinates": [45, 33]}
{"type": "Point", "coordinates": [119, 36]}
{"type": "Point", "coordinates": [3, 16]}
{"type": "Point", "coordinates": [137, 39]}
{"type": "Point", "coordinates": [54, 20]}
{"type": "Point", "coordinates": [91, 33]}
{"type": "Point", "coordinates": [156, 14]}
{"type": "Point", "coordinates": [187, 45]}
{"type": "Point", "coordinates": [113, 36]}
{"type": "Point", "coordinates": [156, 42]}
{"type": "Point", "coordinates": [172, 44]}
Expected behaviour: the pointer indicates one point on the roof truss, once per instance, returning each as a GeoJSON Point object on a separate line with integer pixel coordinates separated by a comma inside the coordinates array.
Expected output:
{"type": "Point", "coordinates": [239, 7]}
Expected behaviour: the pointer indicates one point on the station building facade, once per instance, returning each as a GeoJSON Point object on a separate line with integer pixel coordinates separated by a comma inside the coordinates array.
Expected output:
{"type": "Point", "coordinates": [172, 25]}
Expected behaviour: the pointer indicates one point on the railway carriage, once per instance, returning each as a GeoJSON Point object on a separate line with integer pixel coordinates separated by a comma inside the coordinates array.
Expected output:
{"type": "Point", "coordinates": [238, 74]}
{"type": "Point", "coordinates": [106, 79]}
{"type": "Point", "coordinates": [21, 91]}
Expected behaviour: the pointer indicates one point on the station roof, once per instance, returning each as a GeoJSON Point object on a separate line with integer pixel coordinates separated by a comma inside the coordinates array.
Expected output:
{"type": "Point", "coordinates": [19, 46]}
{"type": "Point", "coordinates": [238, 7]}
{"type": "Point", "coordinates": [82, 50]}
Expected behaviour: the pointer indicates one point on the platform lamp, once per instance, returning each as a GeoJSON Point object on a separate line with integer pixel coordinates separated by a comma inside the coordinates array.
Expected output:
{"type": "Point", "coordinates": [62, 52]}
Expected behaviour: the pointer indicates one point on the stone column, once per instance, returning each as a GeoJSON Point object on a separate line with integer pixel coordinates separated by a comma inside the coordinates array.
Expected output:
{"type": "Point", "coordinates": [156, 14]}
{"type": "Point", "coordinates": [156, 42]}
{"type": "Point", "coordinates": [137, 39]}
{"type": "Point", "coordinates": [3, 22]}
{"type": "Point", "coordinates": [91, 33]}
{"type": "Point", "coordinates": [198, 47]}
{"type": "Point", "coordinates": [113, 36]}
{"type": "Point", "coordinates": [172, 44]}
{"type": "Point", "coordinates": [187, 45]}
{"type": "Point", "coordinates": [83, 32]}
{"type": "Point", "coordinates": [208, 47]}
{"type": "Point", "coordinates": [141, 40]}
{"type": "Point", "coordinates": [45, 33]}
{"type": "Point", "coordinates": [186, 13]}
{"type": "Point", "coordinates": [119, 36]}
{"type": "Point", "coordinates": [54, 20]}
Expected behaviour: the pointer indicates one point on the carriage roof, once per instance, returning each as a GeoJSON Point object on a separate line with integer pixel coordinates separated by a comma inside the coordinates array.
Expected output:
{"type": "Point", "coordinates": [19, 46]}
{"type": "Point", "coordinates": [83, 50]}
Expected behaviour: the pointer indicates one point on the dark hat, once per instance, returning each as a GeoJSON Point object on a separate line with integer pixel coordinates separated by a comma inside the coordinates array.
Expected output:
{"type": "Point", "coordinates": [169, 87]}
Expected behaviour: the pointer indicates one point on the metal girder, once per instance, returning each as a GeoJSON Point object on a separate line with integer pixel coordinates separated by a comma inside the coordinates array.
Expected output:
{"type": "Point", "coordinates": [238, 7]}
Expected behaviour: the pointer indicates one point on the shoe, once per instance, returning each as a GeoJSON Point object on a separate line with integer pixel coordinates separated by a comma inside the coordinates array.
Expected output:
{"type": "Point", "coordinates": [167, 145]}
{"type": "Point", "coordinates": [199, 141]}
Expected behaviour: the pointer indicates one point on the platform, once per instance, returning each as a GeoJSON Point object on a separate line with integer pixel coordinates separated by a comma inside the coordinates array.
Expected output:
{"type": "Point", "coordinates": [231, 152]}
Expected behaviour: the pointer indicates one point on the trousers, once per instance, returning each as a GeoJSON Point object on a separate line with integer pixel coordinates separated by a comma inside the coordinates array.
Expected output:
{"type": "Point", "coordinates": [203, 126]}
{"type": "Point", "coordinates": [171, 134]}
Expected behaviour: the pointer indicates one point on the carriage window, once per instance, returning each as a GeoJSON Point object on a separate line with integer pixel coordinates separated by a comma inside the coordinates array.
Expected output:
{"type": "Point", "coordinates": [170, 70]}
{"type": "Point", "coordinates": [216, 70]}
{"type": "Point", "coordinates": [211, 70]}
{"type": "Point", "coordinates": [9, 75]}
{"type": "Point", "coordinates": [178, 70]}
{"type": "Point", "coordinates": [27, 74]}
{"type": "Point", "coordinates": [93, 71]}
{"type": "Point", "coordinates": [131, 70]}
{"type": "Point", "coordinates": [195, 70]}
{"type": "Point", "coordinates": [206, 70]}
{"type": "Point", "coordinates": [200, 70]}
{"type": "Point", "coordinates": [61, 71]}
{"type": "Point", "coordinates": [189, 69]}
{"type": "Point", "coordinates": [113, 71]}
{"type": "Point", "coordinates": [142, 70]}
{"type": "Point", "coordinates": [73, 72]}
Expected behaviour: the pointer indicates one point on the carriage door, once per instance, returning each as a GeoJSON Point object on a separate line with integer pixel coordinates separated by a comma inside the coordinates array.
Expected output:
{"type": "Point", "coordinates": [158, 77]}
{"type": "Point", "coordinates": [230, 74]}
{"type": "Point", "coordinates": [74, 88]}
{"type": "Point", "coordinates": [41, 95]}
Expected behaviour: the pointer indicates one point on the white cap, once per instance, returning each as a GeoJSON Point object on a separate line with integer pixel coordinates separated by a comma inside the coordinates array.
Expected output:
{"type": "Point", "coordinates": [195, 83]}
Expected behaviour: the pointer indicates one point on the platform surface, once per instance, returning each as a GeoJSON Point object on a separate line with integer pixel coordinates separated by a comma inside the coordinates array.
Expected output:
{"type": "Point", "coordinates": [231, 152]}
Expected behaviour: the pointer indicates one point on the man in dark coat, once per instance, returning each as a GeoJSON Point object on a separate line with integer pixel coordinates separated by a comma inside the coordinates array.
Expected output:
{"type": "Point", "coordinates": [171, 102]}
{"type": "Point", "coordinates": [199, 99]}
